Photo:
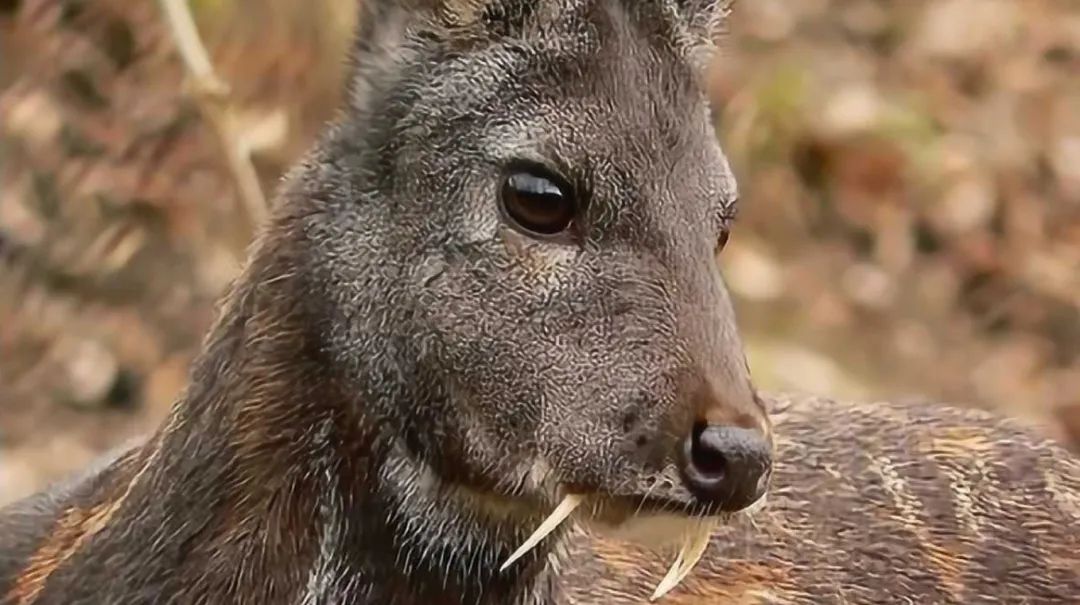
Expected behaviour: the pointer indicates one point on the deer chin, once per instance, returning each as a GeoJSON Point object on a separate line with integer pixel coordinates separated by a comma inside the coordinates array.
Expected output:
{"type": "Point", "coordinates": [686, 534]}
{"type": "Point", "coordinates": [659, 532]}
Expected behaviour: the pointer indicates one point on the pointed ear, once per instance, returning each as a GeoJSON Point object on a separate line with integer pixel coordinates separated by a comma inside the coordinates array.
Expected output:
{"type": "Point", "coordinates": [380, 21]}
{"type": "Point", "coordinates": [447, 12]}
{"type": "Point", "coordinates": [705, 19]}
{"type": "Point", "coordinates": [391, 32]}
{"type": "Point", "coordinates": [385, 39]}
{"type": "Point", "coordinates": [703, 23]}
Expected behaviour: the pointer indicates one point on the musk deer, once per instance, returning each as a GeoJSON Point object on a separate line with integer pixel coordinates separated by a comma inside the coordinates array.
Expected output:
{"type": "Point", "coordinates": [490, 292]}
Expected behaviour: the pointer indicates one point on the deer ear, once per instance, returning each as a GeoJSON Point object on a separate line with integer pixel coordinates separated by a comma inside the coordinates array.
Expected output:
{"type": "Point", "coordinates": [701, 25]}
{"type": "Point", "coordinates": [450, 12]}
{"type": "Point", "coordinates": [705, 18]}
{"type": "Point", "coordinates": [386, 37]}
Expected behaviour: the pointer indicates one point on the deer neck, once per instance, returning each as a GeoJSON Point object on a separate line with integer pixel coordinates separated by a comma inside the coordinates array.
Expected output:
{"type": "Point", "coordinates": [271, 470]}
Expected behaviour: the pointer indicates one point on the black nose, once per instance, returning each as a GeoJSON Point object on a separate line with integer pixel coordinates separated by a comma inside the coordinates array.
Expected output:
{"type": "Point", "coordinates": [727, 466]}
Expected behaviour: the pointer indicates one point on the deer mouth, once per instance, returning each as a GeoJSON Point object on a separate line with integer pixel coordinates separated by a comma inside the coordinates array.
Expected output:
{"type": "Point", "coordinates": [644, 519]}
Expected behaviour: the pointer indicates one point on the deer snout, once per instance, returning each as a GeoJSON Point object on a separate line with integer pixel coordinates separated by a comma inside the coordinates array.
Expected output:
{"type": "Point", "coordinates": [726, 458]}
{"type": "Point", "coordinates": [726, 466]}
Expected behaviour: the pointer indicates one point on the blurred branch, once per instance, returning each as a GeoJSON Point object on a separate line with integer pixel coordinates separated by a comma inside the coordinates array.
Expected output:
{"type": "Point", "coordinates": [212, 95]}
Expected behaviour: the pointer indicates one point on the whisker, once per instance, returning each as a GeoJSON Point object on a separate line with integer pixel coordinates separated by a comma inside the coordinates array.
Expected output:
{"type": "Point", "coordinates": [644, 498]}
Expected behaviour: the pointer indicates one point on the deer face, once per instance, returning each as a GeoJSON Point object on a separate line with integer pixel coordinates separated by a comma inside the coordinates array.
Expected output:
{"type": "Point", "coordinates": [541, 204]}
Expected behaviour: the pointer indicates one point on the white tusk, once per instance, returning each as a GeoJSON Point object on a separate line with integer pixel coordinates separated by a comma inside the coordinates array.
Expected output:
{"type": "Point", "coordinates": [699, 542]}
{"type": "Point", "coordinates": [670, 580]}
{"type": "Point", "coordinates": [561, 512]}
{"type": "Point", "coordinates": [756, 507]}
{"type": "Point", "coordinates": [693, 547]}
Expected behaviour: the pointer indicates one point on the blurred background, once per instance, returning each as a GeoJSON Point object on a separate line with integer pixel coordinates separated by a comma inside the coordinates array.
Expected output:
{"type": "Point", "coordinates": [910, 172]}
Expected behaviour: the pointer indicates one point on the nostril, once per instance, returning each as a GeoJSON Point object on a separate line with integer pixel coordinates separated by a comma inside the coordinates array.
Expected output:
{"type": "Point", "coordinates": [705, 457]}
{"type": "Point", "coordinates": [726, 466]}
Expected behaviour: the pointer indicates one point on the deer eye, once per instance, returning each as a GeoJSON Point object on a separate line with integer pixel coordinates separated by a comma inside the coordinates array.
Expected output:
{"type": "Point", "coordinates": [537, 202]}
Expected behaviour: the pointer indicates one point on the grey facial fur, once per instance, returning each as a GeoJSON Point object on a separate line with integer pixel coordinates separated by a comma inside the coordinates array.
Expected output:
{"type": "Point", "coordinates": [583, 354]}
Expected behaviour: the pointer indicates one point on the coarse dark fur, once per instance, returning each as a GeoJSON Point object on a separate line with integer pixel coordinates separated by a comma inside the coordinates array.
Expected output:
{"type": "Point", "coordinates": [400, 386]}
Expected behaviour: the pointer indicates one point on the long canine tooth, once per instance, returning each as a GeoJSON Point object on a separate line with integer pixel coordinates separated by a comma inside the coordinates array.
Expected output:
{"type": "Point", "coordinates": [694, 546]}
{"type": "Point", "coordinates": [561, 512]}
{"type": "Point", "coordinates": [699, 543]}
{"type": "Point", "coordinates": [756, 507]}
{"type": "Point", "coordinates": [671, 578]}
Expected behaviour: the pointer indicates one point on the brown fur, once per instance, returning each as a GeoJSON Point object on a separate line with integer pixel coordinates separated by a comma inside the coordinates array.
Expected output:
{"type": "Point", "coordinates": [402, 384]}
{"type": "Point", "coordinates": [884, 503]}
{"type": "Point", "coordinates": [892, 503]}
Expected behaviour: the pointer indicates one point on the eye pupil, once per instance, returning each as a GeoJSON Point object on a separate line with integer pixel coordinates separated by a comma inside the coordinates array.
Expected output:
{"type": "Point", "coordinates": [537, 203]}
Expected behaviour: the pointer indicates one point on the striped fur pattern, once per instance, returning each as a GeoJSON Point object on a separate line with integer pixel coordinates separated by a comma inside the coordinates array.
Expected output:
{"type": "Point", "coordinates": [872, 503]}
{"type": "Point", "coordinates": [880, 503]}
